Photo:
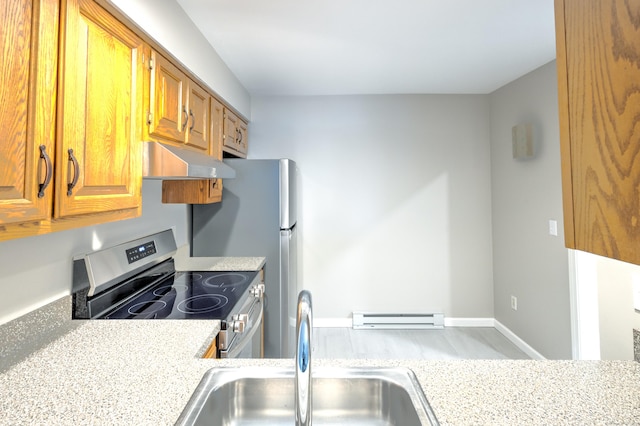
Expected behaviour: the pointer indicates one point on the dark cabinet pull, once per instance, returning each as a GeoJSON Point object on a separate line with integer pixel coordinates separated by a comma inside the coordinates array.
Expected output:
{"type": "Point", "coordinates": [49, 173]}
{"type": "Point", "coordinates": [76, 172]}
{"type": "Point", "coordinates": [193, 120]}
{"type": "Point", "coordinates": [239, 136]}
{"type": "Point", "coordinates": [186, 118]}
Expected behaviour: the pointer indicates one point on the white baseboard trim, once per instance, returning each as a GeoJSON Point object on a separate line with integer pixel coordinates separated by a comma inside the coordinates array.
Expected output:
{"type": "Point", "coordinates": [521, 344]}
{"type": "Point", "coordinates": [448, 322]}
{"type": "Point", "coordinates": [469, 322]}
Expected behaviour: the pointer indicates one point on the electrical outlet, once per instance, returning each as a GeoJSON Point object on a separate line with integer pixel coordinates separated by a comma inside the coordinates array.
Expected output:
{"type": "Point", "coordinates": [514, 303]}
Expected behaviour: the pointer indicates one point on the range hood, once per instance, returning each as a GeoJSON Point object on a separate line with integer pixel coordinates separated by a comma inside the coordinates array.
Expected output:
{"type": "Point", "coordinates": [169, 162]}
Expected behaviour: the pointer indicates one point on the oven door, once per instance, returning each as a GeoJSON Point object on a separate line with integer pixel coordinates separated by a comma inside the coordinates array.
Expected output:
{"type": "Point", "coordinates": [248, 343]}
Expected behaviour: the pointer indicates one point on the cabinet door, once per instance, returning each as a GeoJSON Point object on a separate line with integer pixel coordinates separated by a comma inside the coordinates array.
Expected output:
{"type": "Point", "coordinates": [99, 155]}
{"type": "Point", "coordinates": [598, 59]}
{"type": "Point", "coordinates": [235, 135]}
{"type": "Point", "coordinates": [243, 137]}
{"type": "Point", "coordinates": [198, 129]}
{"type": "Point", "coordinates": [27, 108]}
{"type": "Point", "coordinates": [230, 132]}
{"type": "Point", "coordinates": [169, 113]}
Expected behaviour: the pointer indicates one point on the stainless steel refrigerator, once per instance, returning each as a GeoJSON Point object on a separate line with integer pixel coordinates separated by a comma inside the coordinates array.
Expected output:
{"type": "Point", "coordinates": [257, 217]}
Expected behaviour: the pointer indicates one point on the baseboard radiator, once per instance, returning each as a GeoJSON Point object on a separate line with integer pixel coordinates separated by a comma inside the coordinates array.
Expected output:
{"type": "Point", "coordinates": [363, 320]}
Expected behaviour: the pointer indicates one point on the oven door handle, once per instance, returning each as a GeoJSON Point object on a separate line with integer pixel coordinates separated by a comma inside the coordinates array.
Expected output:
{"type": "Point", "coordinates": [238, 344]}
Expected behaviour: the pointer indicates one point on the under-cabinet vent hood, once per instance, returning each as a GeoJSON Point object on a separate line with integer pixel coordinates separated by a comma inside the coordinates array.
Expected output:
{"type": "Point", "coordinates": [168, 162]}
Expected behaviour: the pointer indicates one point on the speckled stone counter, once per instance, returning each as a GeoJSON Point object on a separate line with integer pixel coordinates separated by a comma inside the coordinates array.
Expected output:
{"type": "Point", "coordinates": [184, 262]}
{"type": "Point", "coordinates": [143, 372]}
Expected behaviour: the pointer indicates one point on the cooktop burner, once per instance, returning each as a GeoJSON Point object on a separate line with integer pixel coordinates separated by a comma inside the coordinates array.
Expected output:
{"type": "Point", "coordinates": [187, 295]}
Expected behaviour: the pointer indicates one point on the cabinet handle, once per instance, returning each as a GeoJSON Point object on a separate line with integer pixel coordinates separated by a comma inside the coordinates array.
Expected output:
{"type": "Point", "coordinates": [239, 136]}
{"type": "Point", "coordinates": [186, 118]}
{"type": "Point", "coordinates": [49, 174]}
{"type": "Point", "coordinates": [76, 172]}
{"type": "Point", "coordinates": [193, 120]}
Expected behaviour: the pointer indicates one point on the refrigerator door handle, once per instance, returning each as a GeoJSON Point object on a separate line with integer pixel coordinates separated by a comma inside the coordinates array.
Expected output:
{"type": "Point", "coordinates": [288, 200]}
{"type": "Point", "coordinates": [289, 288]}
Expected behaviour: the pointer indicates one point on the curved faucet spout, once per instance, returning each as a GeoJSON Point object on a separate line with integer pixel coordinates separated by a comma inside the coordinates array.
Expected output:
{"type": "Point", "coordinates": [303, 360]}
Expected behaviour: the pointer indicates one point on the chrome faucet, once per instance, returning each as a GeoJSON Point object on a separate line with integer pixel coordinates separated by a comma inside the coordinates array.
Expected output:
{"type": "Point", "coordinates": [303, 360]}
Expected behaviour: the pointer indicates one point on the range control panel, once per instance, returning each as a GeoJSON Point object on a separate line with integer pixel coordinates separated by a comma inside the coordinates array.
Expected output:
{"type": "Point", "coordinates": [140, 252]}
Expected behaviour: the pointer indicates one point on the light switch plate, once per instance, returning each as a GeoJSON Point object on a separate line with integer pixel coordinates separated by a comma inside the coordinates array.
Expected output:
{"type": "Point", "coordinates": [553, 227]}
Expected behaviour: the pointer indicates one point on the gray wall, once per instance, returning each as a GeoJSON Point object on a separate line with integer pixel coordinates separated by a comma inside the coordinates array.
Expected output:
{"type": "Point", "coordinates": [37, 270]}
{"type": "Point", "coordinates": [528, 262]}
{"type": "Point", "coordinates": [395, 196]}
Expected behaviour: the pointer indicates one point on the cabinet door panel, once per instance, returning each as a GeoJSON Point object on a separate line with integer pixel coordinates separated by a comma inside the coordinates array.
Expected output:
{"type": "Point", "coordinates": [169, 115]}
{"type": "Point", "coordinates": [601, 124]}
{"type": "Point", "coordinates": [101, 81]}
{"type": "Point", "coordinates": [27, 108]}
{"type": "Point", "coordinates": [235, 135]}
{"type": "Point", "coordinates": [243, 137]}
{"type": "Point", "coordinates": [198, 128]}
{"type": "Point", "coordinates": [230, 135]}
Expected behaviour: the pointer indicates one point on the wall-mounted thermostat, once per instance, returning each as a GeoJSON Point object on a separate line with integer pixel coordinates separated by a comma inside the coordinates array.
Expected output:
{"type": "Point", "coordinates": [522, 140]}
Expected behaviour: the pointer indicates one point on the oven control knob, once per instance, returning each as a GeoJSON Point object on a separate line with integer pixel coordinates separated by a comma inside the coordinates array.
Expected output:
{"type": "Point", "coordinates": [258, 290]}
{"type": "Point", "coordinates": [238, 326]}
{"type": "Point", "coordinates": [238, 322]}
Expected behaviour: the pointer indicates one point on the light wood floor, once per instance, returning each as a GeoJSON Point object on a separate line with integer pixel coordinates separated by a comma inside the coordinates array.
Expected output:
{"type": "Point", "coordinates": [448, 343]}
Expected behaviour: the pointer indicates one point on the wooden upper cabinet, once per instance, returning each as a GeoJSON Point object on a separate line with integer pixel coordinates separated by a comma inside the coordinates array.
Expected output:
{"type": "Point", "coordinates": [168, 114]}
{"type": "Point", "coordinates": [29, 40]}
{"type": "Point", "coordinates": [204, 191]}
{"type": "Point", "coordinates": [99, 155]}
{"type": "Point", "coordinates": [198, 131]}
{"type": "Point", "coordinates": [243, 138]}
{"type": "Point", "coordinates": [179, 109]}
{"type": "Point", "coordinates": [235, 139]}
{"type": "Point", "coordinates": [598, 60]}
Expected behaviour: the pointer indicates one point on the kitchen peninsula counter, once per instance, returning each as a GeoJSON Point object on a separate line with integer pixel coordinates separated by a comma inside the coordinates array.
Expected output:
{"type": "Point", "coordinates": [143, 372]}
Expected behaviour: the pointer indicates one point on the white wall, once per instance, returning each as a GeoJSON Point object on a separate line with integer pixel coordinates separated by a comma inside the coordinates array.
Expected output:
{"type": "Point", "coordinates": [527, 262]}
{"type": "Point", "coordinates": [614, 303]}
{"type": "Point", "coordinates": [395, 212]}
{"type": "Point", "coordinates": [37, 270]}
{"type": "Point", "coordinates": [169, 25]}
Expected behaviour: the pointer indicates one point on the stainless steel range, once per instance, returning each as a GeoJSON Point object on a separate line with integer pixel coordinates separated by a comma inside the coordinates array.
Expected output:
{"type": "Point", "coordinates": [138, 280]}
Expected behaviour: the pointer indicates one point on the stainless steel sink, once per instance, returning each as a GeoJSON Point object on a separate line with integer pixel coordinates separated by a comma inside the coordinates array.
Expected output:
{"type": "Point", "coordinates": [353, 396]}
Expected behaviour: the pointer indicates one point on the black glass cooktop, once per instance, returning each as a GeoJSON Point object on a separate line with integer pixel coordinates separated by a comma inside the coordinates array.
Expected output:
{"type": "Point", "coordinates": [184, 295]}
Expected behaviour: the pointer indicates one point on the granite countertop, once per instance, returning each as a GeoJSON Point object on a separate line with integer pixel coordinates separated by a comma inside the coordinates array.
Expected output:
{"type": "Point", "coordinates": [143, 372]}
{"type": "Point", "coordinates": [184, 262]}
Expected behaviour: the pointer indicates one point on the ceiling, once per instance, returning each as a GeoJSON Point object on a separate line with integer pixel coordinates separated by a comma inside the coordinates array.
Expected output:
{"type": "Point", "coordinates": [333, 47]}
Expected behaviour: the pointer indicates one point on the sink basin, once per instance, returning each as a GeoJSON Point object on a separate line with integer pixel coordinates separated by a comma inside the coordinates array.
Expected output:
{"type": "Point", "coordinates": [353, 396]}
